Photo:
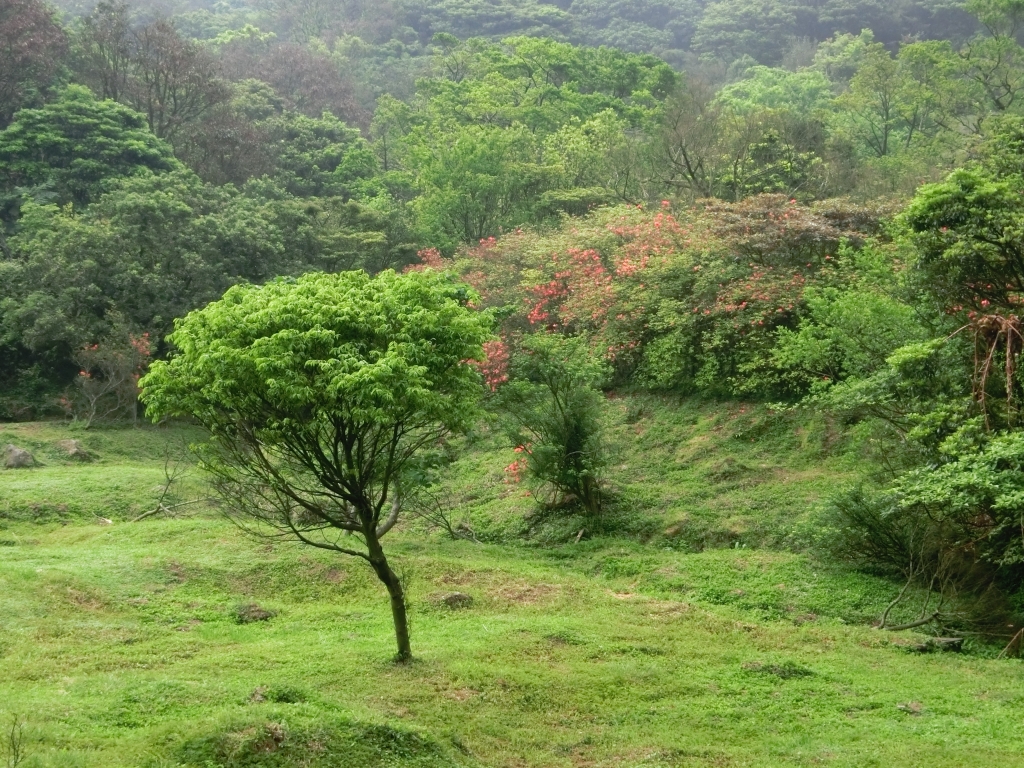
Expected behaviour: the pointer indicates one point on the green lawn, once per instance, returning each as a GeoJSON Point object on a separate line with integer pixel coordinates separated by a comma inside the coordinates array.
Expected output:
{"type": "Point", "coordinates": [119, 643]}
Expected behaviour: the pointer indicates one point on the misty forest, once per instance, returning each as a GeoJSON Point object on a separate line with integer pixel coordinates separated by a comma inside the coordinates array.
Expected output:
{"type": "Point", "coordinates": [512, 383]}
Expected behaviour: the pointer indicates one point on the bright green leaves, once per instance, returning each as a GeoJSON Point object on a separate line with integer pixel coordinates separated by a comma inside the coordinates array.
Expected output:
{"type": "Point", "coordinates": [969, 231]}
{"type": "Point", "coordinates": [516, 133]}
{"type": "Point", "coordinates": [317, 393]}
{"type": "Point", "coordinates": [391, 350]}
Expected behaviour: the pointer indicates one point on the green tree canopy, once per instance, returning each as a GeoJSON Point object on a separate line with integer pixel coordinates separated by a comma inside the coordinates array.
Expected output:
{"type": "Point", "coordinates": [72, 145]}
{"type": "Point", "coordinates": [730, 29]}
{"type": "Point", "coordinates": [805, 92]}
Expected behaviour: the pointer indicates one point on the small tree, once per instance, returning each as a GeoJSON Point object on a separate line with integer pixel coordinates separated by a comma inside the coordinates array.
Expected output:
{"type": "Point", "coordinates": [12, 742]}
{"type": "Point", "coordinates": [552, 412]}
{"type": "Point", "coordinates": [108, 376]}
{"type": "Point", "coordinates": [316, 393]}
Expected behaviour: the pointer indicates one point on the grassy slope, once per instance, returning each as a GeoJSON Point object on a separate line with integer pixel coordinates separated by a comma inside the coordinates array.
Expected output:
{"type": "Point", "coordinates": [119, 645]}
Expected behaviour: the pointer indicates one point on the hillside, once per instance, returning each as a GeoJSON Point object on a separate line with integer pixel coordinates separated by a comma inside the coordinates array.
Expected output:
{"type": "Point", "coordinates": [681, 635]}
{"type": "Point", "coordinates": [514, 383]}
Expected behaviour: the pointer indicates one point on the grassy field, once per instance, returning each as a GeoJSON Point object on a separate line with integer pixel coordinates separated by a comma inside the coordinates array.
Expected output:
{"type": "Point", "coordinates": [690, 629]}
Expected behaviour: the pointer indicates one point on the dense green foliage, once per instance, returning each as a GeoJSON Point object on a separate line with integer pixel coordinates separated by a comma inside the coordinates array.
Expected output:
{"type": "Point", "coordinates": [67, 149]}
{"type": "Point", "coordinates": [552, 412]}
{"type": "Point", "coordinates": [332, 138]}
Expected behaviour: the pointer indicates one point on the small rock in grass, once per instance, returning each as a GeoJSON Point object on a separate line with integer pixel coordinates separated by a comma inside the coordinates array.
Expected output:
{"type": "Point", "coordinates": [457, 600]}
{"type": "Point", "coordinates": [247, 613]}
{"type": "Point", "coordinates": [74, 450]}
{"type": "Point", "coordinates": [17, 458]}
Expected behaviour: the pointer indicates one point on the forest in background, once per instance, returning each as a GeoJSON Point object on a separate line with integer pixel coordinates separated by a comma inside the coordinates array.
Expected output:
{"type": "Point", "coordinates": [163, 153]}
{"type": "Point", "coordinates": [807, 206]}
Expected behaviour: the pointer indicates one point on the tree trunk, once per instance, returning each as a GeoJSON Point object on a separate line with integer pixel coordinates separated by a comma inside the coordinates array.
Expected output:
{"type": "Point", "coordinates": [394, 586]}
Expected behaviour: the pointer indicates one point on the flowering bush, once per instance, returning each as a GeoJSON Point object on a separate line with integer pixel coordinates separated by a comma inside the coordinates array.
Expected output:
{"type": "Point", "coordinates": [108, 380]}
{"type": "Point", "coordinates": [691, 300]}
{"type": "Point", "coordinates": [430, 258]}
{"type": "Point", "coordinates": [494, 367]}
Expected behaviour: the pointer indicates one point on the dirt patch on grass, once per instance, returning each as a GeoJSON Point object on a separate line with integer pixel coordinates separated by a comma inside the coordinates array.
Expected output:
{"type": "Point", "coordinates": [335, 575]}
{"type": "Point", "coordinates": [522, 593]}
{"type": "Point", "coordinates": [461, 694]}
{"type": "Point", "coordinates": [316, 571]}
{"type": "Point", "coordinates": [85, 599]}
{"type": "Point", "coordinates": [176, 571]}
{"type": "Point", "coordinates": [67, 594]}
{"type": "Point", "coordinates": [667, 610]}
{"type": "Point", "coordinates": [457, 577]}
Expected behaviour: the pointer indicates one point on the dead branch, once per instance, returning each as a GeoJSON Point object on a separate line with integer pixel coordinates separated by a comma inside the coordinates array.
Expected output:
{"type": "Point", "coordinates": [1012, 647]}
{"type": "Point", "coordinates": [167, 508]}
{"type": "Point", "coordinates": [991, 331]}
{"type": "Point", "coordinates": [175, 468]}
{"type": "Point", "coordinates": [916, 623]}
{"type": "Point", "coordinates": [896, 601]}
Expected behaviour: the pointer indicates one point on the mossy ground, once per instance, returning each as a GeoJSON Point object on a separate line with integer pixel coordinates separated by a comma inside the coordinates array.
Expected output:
{"type": "Point", "coordinates": [688, 629]}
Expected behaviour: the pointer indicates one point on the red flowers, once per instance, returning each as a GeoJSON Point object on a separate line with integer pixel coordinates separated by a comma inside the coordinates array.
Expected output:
{"type": "Point", "coordinates": [139, 343]}
{"type": "Point", "coordinates": [581, 290]}
{"type": "Point", "coordinates": [430, 258]}
{"type": "Point", "coordinates": [516, 469]}
{"type": "Point", "coordinates": [494, 367]}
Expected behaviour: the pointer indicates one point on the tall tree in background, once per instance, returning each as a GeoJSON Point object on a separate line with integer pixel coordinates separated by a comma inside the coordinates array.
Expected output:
{"type": "Point", "coordinates": [305, 81]}
{"type": "Point", "coordinates": [995, 61]}
{"type": "Point", "coordinates": [103, 50]}
{"type": "Point", "coordinates": [175, 80]}
{"type": "Point", "coordinates": [732, 148]}
{"type": "Point", "coordinates": [171, 80]}
{"type": "Point", "coordinates": [32, 47]}
{"type": "Point", "coordinates": [72, 145]}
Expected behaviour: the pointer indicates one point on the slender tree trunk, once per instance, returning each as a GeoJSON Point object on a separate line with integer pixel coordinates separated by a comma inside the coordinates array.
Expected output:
{"type": "Point", "coordinates": [394, 586]}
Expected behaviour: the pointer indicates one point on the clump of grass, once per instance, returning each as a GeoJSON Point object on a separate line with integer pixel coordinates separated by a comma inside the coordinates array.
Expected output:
{"type": "Point", "coordinates": [249, 613]}
{"type": "Point", "coordinates": [278, 694]}
{"type": "Point", "coordinates": [325, 743]}
{"type": "Point", "coordinates": [786, 670]}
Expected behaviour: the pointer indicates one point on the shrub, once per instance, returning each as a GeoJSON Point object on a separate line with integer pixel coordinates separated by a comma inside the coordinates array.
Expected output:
{"type": "Point", "coordinates": [551, 410]}
{"type": "Point", "coordinates": [954, 529]}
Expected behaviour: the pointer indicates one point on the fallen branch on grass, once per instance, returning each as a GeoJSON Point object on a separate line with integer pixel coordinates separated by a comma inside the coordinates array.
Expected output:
{"type": "Point", "coordinates": [160, 507]}
{"type": "Point", "coordinates": [913, 624]}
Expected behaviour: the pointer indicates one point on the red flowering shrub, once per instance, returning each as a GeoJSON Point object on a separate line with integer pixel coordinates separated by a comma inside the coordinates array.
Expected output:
{"type": "Point", "coordinates": [494, 367]}
{"type": "Point", "coordinates": [108, 382]}
{"type": "Point", "coordinates": [430, 258]}
{"type": "Point", "coordinates": [690, 300]}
